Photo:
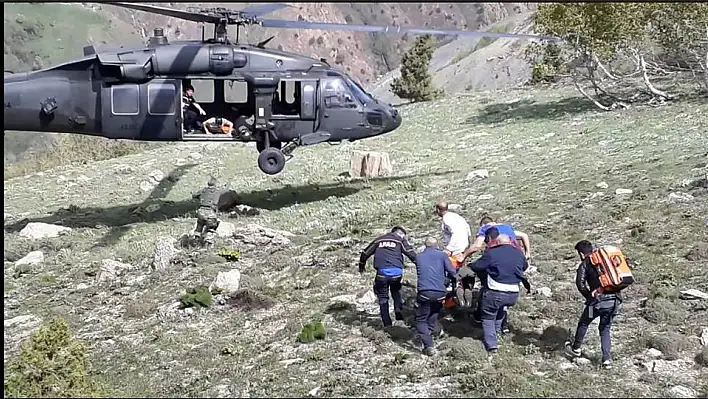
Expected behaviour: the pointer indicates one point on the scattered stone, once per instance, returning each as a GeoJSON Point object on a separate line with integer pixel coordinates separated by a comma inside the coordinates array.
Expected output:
{"type": "Point", "coordinates": [477, 174]}
{"type": "Point", "coordinates": [341, 241]}
{"type": "Point", "coordinates": [244, 210]}
{"type": "Point", "coordinates": [38, 230]}
{"type": "Point", "coordinates": [680, 197]}
{"type": "Point", "coordinates": [165, 252]}
{"type": "Point", "coordinates": [678, 391]}
{"type": "Point", "coordinates": [32, 258]}
{"type": "Point", "coordinates": [152, 208]}
{"type": "Point", "coordinates": [227, 282]}
{"type": "Point", "coordinates": [259, 235]}
{"type": "Point", "coordinates": [454, 207]}
{"type": "Point", "coordinates": [146, 186]}
{"type": "Point", "coordinates": [157, 176]}
{"type": "Point", "coordinates": [367, 298]}
{"type": "Point", "coordinates": [110, 270]}
{"type": "Point", "coordinates": [704, 337]}
{"type": "Point", "coordinates": [83, 179]}
{"type": "Point", "coordinates": [225, 229]}
{"type": "Point", "coordinates": [693, 294]}
{"type": "Point", "coordinates": [194, 156]}
{"type": "Point", "coordinates": [602, 185]}
{"type": "Point", "coordinates": [124, 169]}
{"type": "Point", "coordinates": [545, 291]}
{"type": "Point", "coordinates": [623, 192]}
{"type": "Point", "coordinates": [82, 286]}
{"type": "Point", "coordinates": [7, 216]}
{"type": "Point", "coordinates": [581, 361]}
{"type": "Point", "coordinates": [370, 164]}
{"type": "Point", "coordinates": [655, 353]}
{"type": "Point", "coordinates": [485, 197]}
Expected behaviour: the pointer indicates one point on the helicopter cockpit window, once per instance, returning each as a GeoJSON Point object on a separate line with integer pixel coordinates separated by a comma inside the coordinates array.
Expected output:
{"type": "Point", "coordinates": [125, 100]}
{"type": "Point", "coordinates": [337, 95]}
{"type": "Point", "coordinates": [235, 91]}
{"type": "Point", "coordinates": [359, 92]}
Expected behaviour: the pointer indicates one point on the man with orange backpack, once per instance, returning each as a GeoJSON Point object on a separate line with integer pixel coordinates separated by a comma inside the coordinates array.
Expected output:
{"type": "Point", "coordinates": [603, 272]}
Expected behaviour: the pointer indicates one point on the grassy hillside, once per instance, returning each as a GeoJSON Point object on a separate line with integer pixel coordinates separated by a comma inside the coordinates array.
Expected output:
{"type": "Point", "coordinates": [554, 167]}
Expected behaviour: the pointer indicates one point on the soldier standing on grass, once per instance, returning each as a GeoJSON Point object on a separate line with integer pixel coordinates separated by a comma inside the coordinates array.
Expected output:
{"type": "Point", "coordinates": [207, 221]}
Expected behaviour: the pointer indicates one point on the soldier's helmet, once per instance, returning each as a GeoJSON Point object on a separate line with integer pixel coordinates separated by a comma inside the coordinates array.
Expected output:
{"type": "Point", "coordinates": [212, 181]}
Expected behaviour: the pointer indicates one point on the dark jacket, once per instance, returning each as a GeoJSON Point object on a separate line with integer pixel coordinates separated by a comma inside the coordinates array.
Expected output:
{"type": "Point", "coordinates": [388, 251]}
{"type": "Point", "coordinates": [504, 264]}
{"type": "Point", "coordinates": [432, 266]}
{"type": "Point", "coordinates": [587, 281]}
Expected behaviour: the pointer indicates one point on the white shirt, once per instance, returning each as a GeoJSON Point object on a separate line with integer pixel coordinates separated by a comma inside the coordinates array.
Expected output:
{"type": "Point", "coordinates": [497, 286]}
{"type": "Point", "coordinates": [456, 232]}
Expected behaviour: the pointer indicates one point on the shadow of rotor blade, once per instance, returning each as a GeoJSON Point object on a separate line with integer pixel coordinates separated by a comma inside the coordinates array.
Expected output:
{"type": "Point", "coordinates": [168, 183]}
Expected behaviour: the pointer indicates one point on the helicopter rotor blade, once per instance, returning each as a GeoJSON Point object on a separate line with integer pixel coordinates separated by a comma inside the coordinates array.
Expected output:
{"type": "Point", "coordinates": [262, 9]}
{"type": "Point", "coordinates": [284, 24]}
{"type": "Point", "coordinates": [168, 12]}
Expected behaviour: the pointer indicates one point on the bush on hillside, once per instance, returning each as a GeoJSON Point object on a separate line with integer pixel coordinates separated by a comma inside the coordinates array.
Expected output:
{"type": "Point", "coordinates": [612, 47]}
{"type": "Point", "coordinates": [51, 364]}
{"type": "Point", "coordinates": [73, 149]}
{"type": "Point", "coordinates": [415, 83]}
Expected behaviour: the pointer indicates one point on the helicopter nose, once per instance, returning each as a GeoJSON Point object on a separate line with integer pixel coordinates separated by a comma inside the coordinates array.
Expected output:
{"type": "Point", "coordinates": [394, 120]}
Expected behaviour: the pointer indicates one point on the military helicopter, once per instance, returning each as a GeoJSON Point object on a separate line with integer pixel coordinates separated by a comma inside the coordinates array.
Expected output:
{"type": "Point", "coordinates": [273, 97]}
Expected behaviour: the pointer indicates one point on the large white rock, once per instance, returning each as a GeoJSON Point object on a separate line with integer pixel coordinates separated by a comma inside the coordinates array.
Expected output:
{"type": "Point", "coordinates": [32, 258]}
{"type": "Point", "coordinates": [38, 230]}
{"type": "Point", "coordinates": [111, 269]}
{"type": "Point", "coordinates": [228, 282]}
{"type": "Point", "coordinates": [478, 174]}
{"type": "Point", "coordinates": [225, 229]}
{"type": "Point", "coordinates": [165, 252]}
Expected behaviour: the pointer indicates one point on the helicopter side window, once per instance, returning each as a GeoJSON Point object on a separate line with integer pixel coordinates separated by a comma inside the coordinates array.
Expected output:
{"type": "Point", "coordinates": [337, 95]}
{"type": "Point", "coordinates": [162, 99]}
{"type": "Point", "coordinates": [125, 99]}
{"type": "Point", "coordinates": [203, 90]}
{"type": "Point", "coordinates": [286, 100]}
{"type": "Point", "coordinates": [235, 91]}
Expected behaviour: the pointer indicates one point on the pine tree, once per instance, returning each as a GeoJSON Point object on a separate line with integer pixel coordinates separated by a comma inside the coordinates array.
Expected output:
{"type": "Point", "coordinates": [415, 83]}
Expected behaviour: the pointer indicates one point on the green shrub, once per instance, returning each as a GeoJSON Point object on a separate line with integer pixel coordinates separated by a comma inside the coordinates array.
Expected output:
{"type": "Point", "coordinates": [311, 332]}
{"type": "Point", "coordinates": [198, 296]}
{"type": "Point", "coordinates": [51, 364]}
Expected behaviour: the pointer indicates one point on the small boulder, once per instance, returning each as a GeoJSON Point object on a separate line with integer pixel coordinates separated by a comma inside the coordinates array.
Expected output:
{"type": "Point", "coordinates": [454, 207]}
{"type": "Point", "coordinates": [32, 258]}
{"type": "Point", "coordinates": [623, 192]}
{"type": "Point", "coordinates": [654, 353]}
{"type": "Point", "coordinates": [146, 186]}
{"type": "Point", "coordinates": [477, 174]}
{"type": "Point", "coordinates": [194, 156]}
{"type": "Point", "coordinates": [165, 252]}
{"type": "Point", "coordinates": [227, 282]}
{"type": "Point", "coordinates": [244, 210]}
{"type": "Point", "coordinates": [225, 229]}
{"type": "Point", "coordinates": [157, 176]}
{"type": "Point", "coordinates": [368, 298]}
{"type": "Point", "coordinates": [111, 269]}
{"type": "Point", "coordinates": [602, 185]}
{"type": "Point", "coordinates": [680, 197]}
{"type": "Point", "coordinates": [485, 197]}
{"type": "Point", "coordinates": [38, 230]}
{"type": "Point", "coordinates": [704, 337]}
{"type": "Point", "coordinates": [678, 391]}
{"type": "Point", "coordinates": [544, 291]}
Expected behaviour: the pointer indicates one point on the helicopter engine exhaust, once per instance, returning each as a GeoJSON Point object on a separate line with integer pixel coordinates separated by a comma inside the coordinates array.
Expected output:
{"type": "Point", "coordinates": [187, 59]}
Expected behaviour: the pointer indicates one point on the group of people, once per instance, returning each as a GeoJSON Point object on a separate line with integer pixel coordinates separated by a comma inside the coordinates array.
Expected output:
{"type": "Point", "coordinates": [192, 113]}
{"type": "Point", "coordinates": [445, 281]}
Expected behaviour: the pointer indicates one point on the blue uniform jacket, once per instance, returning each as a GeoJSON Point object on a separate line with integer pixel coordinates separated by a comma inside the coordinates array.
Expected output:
{"type": "Point", "coordinates": [432, 265]}
{"type": "Point", "coordinates": [388, 251]}
{"type": "Point", "coordinates": [504, 264]}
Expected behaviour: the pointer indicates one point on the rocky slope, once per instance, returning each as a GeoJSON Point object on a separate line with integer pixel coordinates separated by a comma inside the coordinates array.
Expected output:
{"type": "Point", "coordinates": [110, 262]}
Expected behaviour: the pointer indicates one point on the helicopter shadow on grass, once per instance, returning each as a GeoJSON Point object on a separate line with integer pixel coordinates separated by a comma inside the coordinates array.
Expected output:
{"type": "Point", "coordinates": [531, 110]}
{"type": "Point", "coordinates": [118, 219]}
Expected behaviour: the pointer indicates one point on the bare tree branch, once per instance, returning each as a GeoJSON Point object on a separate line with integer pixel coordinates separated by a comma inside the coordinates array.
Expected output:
{"type": "Point", "coordinates": [647, 81]}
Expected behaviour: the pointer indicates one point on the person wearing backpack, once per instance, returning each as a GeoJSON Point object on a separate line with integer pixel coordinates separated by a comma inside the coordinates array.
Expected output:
{"type": "Point", "coordinates": [603, 272]}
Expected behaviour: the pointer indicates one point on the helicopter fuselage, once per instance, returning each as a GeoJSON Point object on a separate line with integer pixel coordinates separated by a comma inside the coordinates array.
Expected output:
{"type": "Point", "coordinates": [272, 97]}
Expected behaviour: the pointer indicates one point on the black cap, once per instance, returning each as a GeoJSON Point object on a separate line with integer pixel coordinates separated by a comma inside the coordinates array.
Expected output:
{"type": "Point", "coordinates": [399, 228]}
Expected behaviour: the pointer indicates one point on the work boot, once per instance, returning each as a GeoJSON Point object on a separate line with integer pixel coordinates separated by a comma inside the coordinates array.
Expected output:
{"type": "Point", "coordinates": [572, 352]}
{"type": "Point", "coordinates": [399, 316]}
{"type": "Point", "coordinates": [607, 364]}
{"type": "Point", "coordinates": [430, 351]}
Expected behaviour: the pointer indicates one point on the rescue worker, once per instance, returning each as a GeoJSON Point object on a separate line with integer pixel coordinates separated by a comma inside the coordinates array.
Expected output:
{"type": "Point", "coordinates": [605, 305]}
{"type": "Point", "coordinates": [504, 267]}
{"type": "Point", "coordinates": [457, 236]}
{"type": "Point", "coordinates": [216, 125]}
{"type": "Point", "coordinates": [191, 110]}
{"type": "Point", "coordinates": [207, 221]}
{"type": "Point", "coordinates": [388, 251]}
{"type": "Point", "coordinates": [432, 268]}
{"type": "Point", "coordinates": [493, 238]}
{"type": "Point", "coordinates": [515, 235]}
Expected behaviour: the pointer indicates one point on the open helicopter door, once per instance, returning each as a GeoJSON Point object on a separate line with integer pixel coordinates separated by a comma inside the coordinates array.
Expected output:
{"type": "Point", "coordinates": [149, 111]}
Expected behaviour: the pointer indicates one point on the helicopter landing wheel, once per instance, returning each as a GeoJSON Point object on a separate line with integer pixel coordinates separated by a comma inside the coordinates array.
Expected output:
{"type": "Point", "coordinates": [271, 161]}
{"type": "Point", "coordinates": [261, 145]}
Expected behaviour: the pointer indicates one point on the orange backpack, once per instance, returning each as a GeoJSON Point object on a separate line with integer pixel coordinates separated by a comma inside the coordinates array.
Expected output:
{"type": "Point", "coordinates": [612, 268]}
